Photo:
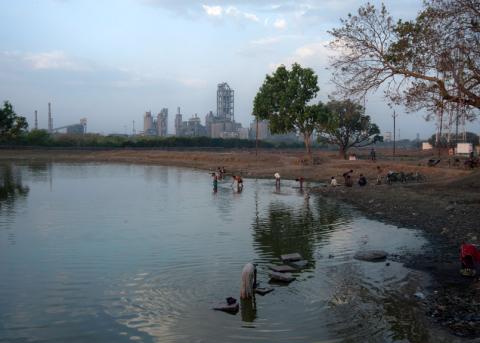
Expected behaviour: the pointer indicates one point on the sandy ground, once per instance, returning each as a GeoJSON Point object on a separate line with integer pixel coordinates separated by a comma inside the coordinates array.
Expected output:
{"type": "Point", "coordinates": [446, 206]}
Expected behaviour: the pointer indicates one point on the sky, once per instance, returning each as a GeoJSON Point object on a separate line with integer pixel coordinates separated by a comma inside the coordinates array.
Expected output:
{"type": "Point", "coordinates": [112, 60]}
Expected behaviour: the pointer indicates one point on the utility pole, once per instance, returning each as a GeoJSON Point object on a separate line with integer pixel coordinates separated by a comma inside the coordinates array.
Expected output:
{"type": "Point", "coordinates": [394, 131]}
{"type": "Point", "coordinates": [256, 137]}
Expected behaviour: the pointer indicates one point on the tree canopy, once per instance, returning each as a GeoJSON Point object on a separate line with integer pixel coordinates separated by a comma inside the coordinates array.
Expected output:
{"type": "Point", "coordinates": [283, 100]}
{"type": "Point", "coordinates": [347, 126]}
{"type": "Point", "coordinates": [422, 63]}
{"type": "Point", "coordinates": [12, 126]}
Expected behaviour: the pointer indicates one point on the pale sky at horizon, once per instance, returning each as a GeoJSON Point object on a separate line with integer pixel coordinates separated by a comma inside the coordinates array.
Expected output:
{"type": "Point", "coordinates": [111, 61]}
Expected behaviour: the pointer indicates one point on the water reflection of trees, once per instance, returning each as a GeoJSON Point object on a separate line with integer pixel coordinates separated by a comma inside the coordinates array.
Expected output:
{"type": "Point", "coordinates": [11, 187]}
{"type": "Point", "coordinates": [285, 228]}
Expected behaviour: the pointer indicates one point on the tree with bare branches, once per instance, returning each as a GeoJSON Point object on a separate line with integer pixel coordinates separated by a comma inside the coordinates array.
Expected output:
{"type": "Point", "coordinates": [423, 63]}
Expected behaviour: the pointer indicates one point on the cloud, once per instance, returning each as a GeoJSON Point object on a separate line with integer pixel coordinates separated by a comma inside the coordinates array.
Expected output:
{"type": "Point", "coordinates": [315, 55]}
{"type": "Point", "coordinates": [251, 16]}
{"type": "Point", "coordinates": [193, 83]}
{"type": "Point", "coordinates": [230, 11]}
{"type": "Point", "coordinates": [54, 60]}
{"type": "Point", "coordinates": [266, 41]}
{"type": "Point", "coordinates": [280, 24]}
{"type": "Point", "coordinates": [213, 11]}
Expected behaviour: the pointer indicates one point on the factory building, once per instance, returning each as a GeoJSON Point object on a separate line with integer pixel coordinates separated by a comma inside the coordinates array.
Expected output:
{"type": "Point", "coordinates": [223, 125]}
{"type": "Point", "coordinates": [162, 123]}
{"type": "Point", "coordinates": [156, 127]}
{"type": "Point", "coordinates": [225, 102]}
{"type": "Point", "coordinates": [178, 123]}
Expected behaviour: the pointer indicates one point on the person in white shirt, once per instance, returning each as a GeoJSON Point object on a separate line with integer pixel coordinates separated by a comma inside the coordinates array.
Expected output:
{"type": "Point", "coordinates": [277, 179]}
{"type": "Point", "coordinates": [333, 182]}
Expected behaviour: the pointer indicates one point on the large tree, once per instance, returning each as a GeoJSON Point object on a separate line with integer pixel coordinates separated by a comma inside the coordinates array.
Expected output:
{"type": "Point", "coordinates": [11, 125]}
{"type": "Point", "coordinates": [422, 63]}
{"type": "Point", "coordinates": [283, 101]}
{"type": "Point", "coordinates": [347, 126]}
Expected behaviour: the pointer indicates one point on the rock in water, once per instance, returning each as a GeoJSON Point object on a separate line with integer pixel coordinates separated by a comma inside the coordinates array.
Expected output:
{"type": "Point", "coordinates": [232, 309]}
{"type": "Point", "coordinates": [282, 277]}
{"type": "Point", "coordinates": [291, 257]}
{"type": "Point", "coordinates": [281, 269]}
{"type": "Point", "coordinates": [371, 255]}
{"type": "Point", "coordinates": [298, 264]}
{"type": "Point", "coordinates": [263, 291]}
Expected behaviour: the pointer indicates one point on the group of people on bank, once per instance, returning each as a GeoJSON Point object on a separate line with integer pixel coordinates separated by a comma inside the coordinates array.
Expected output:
{"type": "Point", "coordinates": [348, 180]}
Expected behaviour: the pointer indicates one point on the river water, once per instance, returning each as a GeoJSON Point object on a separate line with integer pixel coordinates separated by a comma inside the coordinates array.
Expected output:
{"type": "Point", "coordinates": [112, 253]}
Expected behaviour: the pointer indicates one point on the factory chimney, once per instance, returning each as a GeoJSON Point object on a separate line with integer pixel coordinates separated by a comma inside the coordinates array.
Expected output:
{"type": "Point", "coordinates": [50, 120]}
{"type": "Point", "coordinates": [36, 121]}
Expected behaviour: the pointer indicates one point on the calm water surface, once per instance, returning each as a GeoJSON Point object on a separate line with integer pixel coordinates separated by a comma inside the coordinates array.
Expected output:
{"type": "Point", "coordinates": [111, 253]}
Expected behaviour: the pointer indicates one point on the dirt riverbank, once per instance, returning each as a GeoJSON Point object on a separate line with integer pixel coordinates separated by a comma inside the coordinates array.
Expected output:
{"type": "Point", "coordinates": [446, 206]}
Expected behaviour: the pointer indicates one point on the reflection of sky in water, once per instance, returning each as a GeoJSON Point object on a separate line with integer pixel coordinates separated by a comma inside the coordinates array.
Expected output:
{"type": "Point", "coordinates": [128, 252]}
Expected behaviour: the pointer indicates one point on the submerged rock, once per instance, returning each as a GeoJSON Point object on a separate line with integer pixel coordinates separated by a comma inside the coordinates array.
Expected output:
{"type": "Point", "coordinates": [291, 257]}
{"type": "Point", "coordinates": [282, 277]}
{"type": "Point", "coordinates": [371, 255]}
{"type": "Point", "coordinates": [281, 269]}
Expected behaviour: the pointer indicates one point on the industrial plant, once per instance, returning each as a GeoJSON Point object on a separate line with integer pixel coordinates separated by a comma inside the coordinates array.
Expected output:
{"type": "Point", "coordinates": [219, 125]}
{"type": "Point", "coordinates": [79, 128]}
{"type": "Point", "coordinates": [158, 126]}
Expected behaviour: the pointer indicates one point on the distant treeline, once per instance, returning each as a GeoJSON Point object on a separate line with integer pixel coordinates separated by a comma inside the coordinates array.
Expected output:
{"type": "Point", "coordinates": [41, 138]}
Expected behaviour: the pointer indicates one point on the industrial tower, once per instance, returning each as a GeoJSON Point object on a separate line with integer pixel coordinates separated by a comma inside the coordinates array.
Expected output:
{"type": "Point", "coordinates": [225, 102]}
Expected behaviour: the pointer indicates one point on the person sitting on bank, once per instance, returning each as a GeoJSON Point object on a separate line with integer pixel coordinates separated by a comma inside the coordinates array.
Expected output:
{"type": "Point", "coordinates": [348, 181]}
{"type": "Point", "coordinates": [362, 180]}
{"type": "Point", "coordinates": [333, 182]}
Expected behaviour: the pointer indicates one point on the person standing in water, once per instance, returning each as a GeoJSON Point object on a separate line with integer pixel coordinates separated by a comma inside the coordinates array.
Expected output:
{"type": "Point", "coordinates": [215, 183]}
{"type": "Point", "coordinates": [333, 182]}
{"type": "Point", "coordinates": [300, 179]}
{"type": "Point", "coordinates": [239, 181]}
{"type": "Point", "coordinates": [277, 180]}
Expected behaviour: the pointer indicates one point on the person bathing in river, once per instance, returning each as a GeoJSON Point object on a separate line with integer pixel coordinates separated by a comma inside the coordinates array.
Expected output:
{"type": "Point", "coordinates": [300, 179]}
{"type": "Point", "coordinates": [239, 181]}
{"type": "Point", "coordinates": [333, 182]}
{"type": "Point", "coordinates": [348, 181]}
{"type": "Point", "coordinates": [362, 180]}
{"type": "Point", "coordinates": [215, 183]}
{"type": "Point", "coordinates": [277, 180]}
{"type": "Point", "coordinates": [347, 174]}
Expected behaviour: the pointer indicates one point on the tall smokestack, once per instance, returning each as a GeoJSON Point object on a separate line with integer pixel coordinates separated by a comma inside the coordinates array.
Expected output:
{"type": "Point", "coordinates": [36, 120]}
{"type": "Point", "coordinates": [50, 120]}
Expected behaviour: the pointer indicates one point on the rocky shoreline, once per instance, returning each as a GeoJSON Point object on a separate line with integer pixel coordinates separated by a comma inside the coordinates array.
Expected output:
{"type": "Point", "coordinates": [448, 215]}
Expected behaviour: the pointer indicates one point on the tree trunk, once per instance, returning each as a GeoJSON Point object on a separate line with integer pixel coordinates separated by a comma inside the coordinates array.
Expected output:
{"type": "Point", "coordinates": [306, 141]}
{"type": "Point", "coordinates": [343, 152]}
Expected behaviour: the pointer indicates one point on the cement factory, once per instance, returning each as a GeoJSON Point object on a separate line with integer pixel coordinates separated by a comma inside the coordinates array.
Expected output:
{"type": "Point", "coordinates": [78, 129]}
{"type": "Point", "coordinates": [219, 125]}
